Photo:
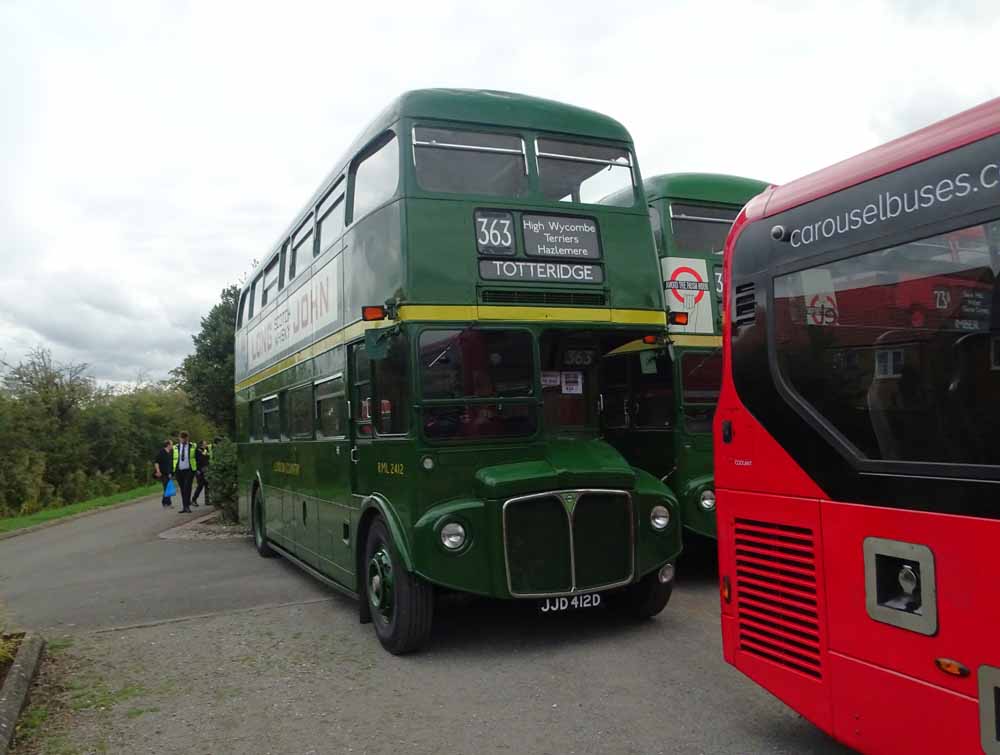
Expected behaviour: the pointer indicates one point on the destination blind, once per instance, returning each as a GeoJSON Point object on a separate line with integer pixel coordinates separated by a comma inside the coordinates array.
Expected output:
{"type": "Point", "coordinates": [546, 272]}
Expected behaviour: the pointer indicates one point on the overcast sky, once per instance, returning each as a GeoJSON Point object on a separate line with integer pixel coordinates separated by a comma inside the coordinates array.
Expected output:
{"type": "Point", "coordinates": [149, 151]}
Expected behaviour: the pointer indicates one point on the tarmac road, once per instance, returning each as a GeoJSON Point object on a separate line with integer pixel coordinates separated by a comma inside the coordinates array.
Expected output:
{"type": "Point", "coordinates": [222, 651]}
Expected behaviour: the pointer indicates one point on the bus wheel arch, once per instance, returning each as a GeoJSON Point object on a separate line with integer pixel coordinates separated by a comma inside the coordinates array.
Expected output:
{"type": "Point", "coordinates": [257, 519]}
{"type": "Point", "coordinates": [375, 509]}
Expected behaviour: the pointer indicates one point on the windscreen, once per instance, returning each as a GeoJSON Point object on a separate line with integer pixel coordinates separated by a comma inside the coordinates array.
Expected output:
{"type": "Point", "coordinates": [700, 228]}
{"type": "Point", "coordinates": [584, 173]}
{"type": "Point", "coordinates": [899, 349]}
{"type": "Point", "coordinates": [454, 161]}
{"type": "Point", "coordinates": [478, 383]}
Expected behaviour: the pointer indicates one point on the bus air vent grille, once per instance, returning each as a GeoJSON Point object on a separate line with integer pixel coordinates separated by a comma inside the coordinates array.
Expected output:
{"type": "Point", "coordinates": [558, 298]}
{"type": "Point", "coordinates": [745, 305]}
{"type": "Point", "coordinates": [776, 595]}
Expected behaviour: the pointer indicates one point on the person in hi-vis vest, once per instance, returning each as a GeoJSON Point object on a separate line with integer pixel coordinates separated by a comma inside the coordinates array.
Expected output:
{"type": "Point", "coordinates": [185, 465]}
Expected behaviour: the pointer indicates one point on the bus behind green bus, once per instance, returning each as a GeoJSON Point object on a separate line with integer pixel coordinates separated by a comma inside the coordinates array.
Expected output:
{"type": "Point", "coordinates": [665, 396]}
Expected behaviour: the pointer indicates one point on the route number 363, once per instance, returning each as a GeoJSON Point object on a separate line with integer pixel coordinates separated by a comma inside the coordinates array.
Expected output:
{"type": "Point", "coordinates": [494, 232]}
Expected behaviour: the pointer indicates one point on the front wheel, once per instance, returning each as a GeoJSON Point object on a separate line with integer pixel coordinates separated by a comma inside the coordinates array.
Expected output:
{"type": "Point", "coordinates": [259, 534]}
{"type": "Point", "coordinates": [401, 604]}
{"type": "Point", "coordinates": [647, 597]}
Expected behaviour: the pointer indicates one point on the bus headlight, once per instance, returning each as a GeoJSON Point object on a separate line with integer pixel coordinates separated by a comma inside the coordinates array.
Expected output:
{"type": "Point", "coordinates": [659, 517]}
{"type": "Point", "coordinates": [453, 536]}
{"type": "Point", "coordinates": [708, 500]}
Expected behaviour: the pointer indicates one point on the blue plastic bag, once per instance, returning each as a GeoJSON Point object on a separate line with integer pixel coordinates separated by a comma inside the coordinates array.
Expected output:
{"type": "Point", "coordinates": [170, 490]}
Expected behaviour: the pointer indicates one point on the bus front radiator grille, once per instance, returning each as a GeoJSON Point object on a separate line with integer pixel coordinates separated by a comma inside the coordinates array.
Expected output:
{"type": "Point", "coordinates": [602, 539]}
{"type": "Point", "coordinates": [568, 541]}
{"type": "Point", "coordinates": [776, 597]}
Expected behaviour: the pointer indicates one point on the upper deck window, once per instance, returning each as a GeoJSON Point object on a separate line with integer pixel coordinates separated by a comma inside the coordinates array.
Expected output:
{"type": "Point", "coordinates": [270, 282]}
{"type": "Point", "coordinates": [470, 162]}
{"type": "Point", "coordinates": [331, 217]}
{"type": "Point", "coordinates": [376, 178]}
{"type": "Point", "coordinates": [700, 228]}
{"type": "Point", "coordinates": [587, 173]}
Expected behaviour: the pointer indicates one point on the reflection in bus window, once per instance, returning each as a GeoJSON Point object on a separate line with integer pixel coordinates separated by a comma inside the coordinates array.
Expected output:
{"type": "Point", "coordinates": [392, 388]}
{"type": "Point", "coordinates": [300, 412]}
{"type": "Point", "coordinates": [615, 393]}
{"type": "Point", "coordinates": [654, 390]}
{"type": "Point", "coordinates": [701, 381]}
{"type": "Point", "coordinates": [893, 347]}
{"type": "Point", "coordinates": [331, 408]}
{"type": "Point", "coordinates": [330, 218]}
{"type": "Point", "coordinates": [376, 178]}
{"type": "Point", "coordinates": [470, 421]}
{"type": "Point", "coordinates": [272, 418]}
{"type": "Point", "coordinates": [270, 283]}
{"type": "Point", "coordinates": [576, 172]}
{"type": "Point", "coordinates": [700, 228]}
{"type": "Point", "coordinates": [473, 362]}
{"type": "Point", "coordinates": [469, 162]}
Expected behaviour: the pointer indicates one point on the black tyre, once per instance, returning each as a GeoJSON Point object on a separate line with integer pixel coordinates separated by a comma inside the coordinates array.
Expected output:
{"type": "Point", "coordinates": [259, 531]}
{"type": "Point", "coordinates": [647, 597]}
{"type": "Point", "coordinates": [401, 604]}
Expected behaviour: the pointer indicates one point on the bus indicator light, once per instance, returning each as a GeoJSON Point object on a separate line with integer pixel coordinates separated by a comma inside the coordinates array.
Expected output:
{"type": "Point", "coordinates": [678, 318]}
{"type": "Point", "coordinates": [951, 667]}
{"type": "Point", "coordinates": [373, 313]}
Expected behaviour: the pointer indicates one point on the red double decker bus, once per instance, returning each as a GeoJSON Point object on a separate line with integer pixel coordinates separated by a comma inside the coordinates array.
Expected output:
{"type": "Point", "coordinates": [857, 443]}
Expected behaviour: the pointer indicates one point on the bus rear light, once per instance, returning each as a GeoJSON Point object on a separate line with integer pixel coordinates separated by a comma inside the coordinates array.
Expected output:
{"type": "Point", "coordinates": [649, 339]}
{"type": "Point", "coordinates": [727, 590]}
{"type": "Point", "coordinates": [678, 318]}
{"type": "Point", "coordinates": [373, 313]}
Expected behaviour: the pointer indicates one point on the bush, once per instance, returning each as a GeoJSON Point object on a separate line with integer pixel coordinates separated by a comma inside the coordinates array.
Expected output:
{"type": "Point", "coordinates": [222, 479]}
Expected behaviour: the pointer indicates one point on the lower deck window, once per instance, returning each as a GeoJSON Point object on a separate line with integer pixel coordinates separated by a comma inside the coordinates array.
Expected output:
{"type": "Point", "coordinates": [272, 418]}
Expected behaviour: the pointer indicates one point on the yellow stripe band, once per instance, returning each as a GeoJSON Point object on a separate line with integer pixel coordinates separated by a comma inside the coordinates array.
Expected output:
{"type": "Point", "coordinates": [704, 342]}
{"type": "Point", "coordinates": [463, 313]}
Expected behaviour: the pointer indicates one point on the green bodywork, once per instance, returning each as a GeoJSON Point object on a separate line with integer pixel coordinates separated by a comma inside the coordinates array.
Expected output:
{"type": "Point", "coordinates": [680, 452]}
{"type": "Point", "coordinates": [416, 253]}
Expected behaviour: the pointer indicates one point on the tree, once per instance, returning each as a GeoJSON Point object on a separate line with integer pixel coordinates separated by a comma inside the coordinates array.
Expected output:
{"type": "Point", "coordinates": [207, 374]}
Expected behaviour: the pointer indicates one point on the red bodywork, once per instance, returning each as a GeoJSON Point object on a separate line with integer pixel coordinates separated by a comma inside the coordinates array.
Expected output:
{"type": "Point", "coordinates": [870, 685]}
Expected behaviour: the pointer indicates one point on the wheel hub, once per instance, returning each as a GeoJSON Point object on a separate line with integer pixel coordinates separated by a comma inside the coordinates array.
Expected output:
{"type": "Point", "coordinates": [380, 583]}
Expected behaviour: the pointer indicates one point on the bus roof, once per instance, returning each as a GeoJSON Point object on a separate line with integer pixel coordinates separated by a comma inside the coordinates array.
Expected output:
{"type": "Point", "coordinates": [705, 187]}
{"type": "Point", "coordinates": [483, 106]}
{"type": "Point", "coordinates": [951, 133]}
{"type": "Point", "coordinates": [494, 108]}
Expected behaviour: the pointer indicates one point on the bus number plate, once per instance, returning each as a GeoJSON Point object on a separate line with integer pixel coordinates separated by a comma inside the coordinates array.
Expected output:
{"type": "Point", "coordinates": [554, 605]}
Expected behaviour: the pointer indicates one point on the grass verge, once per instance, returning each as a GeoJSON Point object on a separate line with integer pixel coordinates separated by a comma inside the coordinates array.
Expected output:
{"type": "Point", "coordinates": [45, 515]}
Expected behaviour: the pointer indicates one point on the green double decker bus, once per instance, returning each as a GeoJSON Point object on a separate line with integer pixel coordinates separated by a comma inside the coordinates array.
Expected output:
{"type": "Point", "coordinates": [664, 397]}
{"type": "Point", "coordinates": [419, 359]}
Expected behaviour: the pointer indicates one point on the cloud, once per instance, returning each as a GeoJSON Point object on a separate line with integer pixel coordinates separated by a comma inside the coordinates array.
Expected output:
{"type": "Point", "coordinates": [152, 150]}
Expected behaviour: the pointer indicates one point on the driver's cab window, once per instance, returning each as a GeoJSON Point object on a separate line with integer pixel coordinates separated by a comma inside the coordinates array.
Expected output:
{"type": "Point", "coordinates": [638, 391]}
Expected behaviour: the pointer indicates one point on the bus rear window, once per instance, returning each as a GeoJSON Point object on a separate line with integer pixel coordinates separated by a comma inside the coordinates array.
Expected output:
{"type": "Point", "coordinates": [700, 228]}
{"type": "Point", "coordinates": [476, 363]}
{"type": "Point", "coordinates": [587, 173]}
{"type": "Point", "coordinates": [894, 348]}
{"type": "Point", "coordinates": [469, 162]}
{"type": "Point", "coordinates": [701, 381]}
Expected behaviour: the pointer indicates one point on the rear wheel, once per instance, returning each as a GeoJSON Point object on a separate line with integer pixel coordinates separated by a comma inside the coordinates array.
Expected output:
{"type": "Point", "coordinates": [647, 597]}
{"type": "Point", "coordinates": [401, 604]}
{"type": "Point", "coordinates": [259, 532]}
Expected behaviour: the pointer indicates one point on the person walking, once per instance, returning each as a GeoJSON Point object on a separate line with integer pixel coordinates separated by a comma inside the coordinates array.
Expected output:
{"type": "Point", "coordinates": [202, 457]}
{"type": "Point", "coordinates": [185, 465]}
{"type": "Point", "coordinates": [163, 467]}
